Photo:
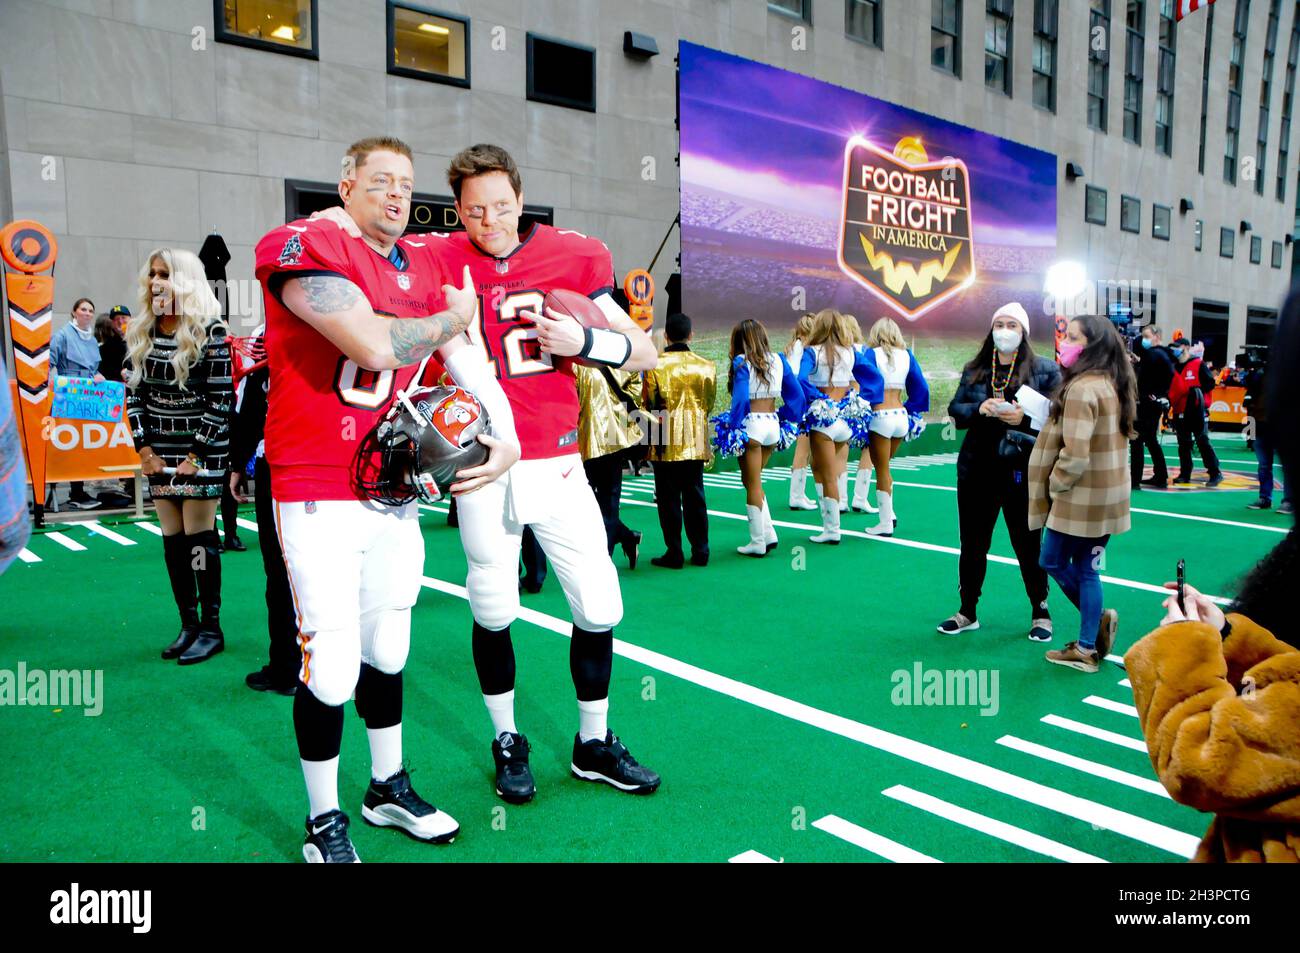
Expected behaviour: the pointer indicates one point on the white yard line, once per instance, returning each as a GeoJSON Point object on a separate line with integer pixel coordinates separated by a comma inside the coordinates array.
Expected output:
{"type": "Point", "coordinates": [1101, 734]}
{"type": "Point", "coordinates": [1105, 771]}
{"type": "Point", "coordinates": [871, 841]}
{"type": "Point", "coordinates": [95, 527]}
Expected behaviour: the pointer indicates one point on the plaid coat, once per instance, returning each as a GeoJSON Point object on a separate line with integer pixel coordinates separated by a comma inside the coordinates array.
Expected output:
{"type": "Point", "coordinates": [1079, 470]}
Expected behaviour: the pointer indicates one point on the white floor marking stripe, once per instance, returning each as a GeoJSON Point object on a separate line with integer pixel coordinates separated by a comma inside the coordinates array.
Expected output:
{"type": "Point", "coordinates": [987, 825]}
{"type": "Point", "coordinates": [27, 556]}
{"type": "Point", "coordinates": [1114, 737]}
{"type": "Point", "coordinates": [1117, 659]}
{"type": "Point", "coordinates": [1124, 683]}
{"type": "Point", "coordinates": [149, 528]}
{"type": "Point", "coordinates": [66, 542]}
{"type": "Point", "coordinates": [246, 524]}
{"type": "Point", "coordinates": [1129, 825]}
{"type": "Point", "coordinates": [1111, 706]}
{"type": "Point", "coordinates": [870, 841]}
{"type": "Point", "coordinates": [929, 547]}
{"type": "Point", "coordinates": [751, 857]}
{"type": "Point", "coordinates": [95, 527]}
{"type": "Point", "coordinates": [1150, 785]}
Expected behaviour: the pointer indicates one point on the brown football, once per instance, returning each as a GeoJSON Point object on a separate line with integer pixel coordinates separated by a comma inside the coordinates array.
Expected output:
{"type": "Point", "coordinates": [585, 311]}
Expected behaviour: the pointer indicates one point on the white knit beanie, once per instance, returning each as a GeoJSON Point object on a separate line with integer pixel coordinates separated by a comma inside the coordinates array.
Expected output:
{"type": "Point", "coordinates": [1013, 309]}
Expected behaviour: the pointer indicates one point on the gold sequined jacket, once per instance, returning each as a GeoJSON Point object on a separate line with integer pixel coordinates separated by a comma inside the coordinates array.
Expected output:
{"type": "Point", "coordinates": [604, 425]}
{"type": "Point", "coordinates": [679, 397]}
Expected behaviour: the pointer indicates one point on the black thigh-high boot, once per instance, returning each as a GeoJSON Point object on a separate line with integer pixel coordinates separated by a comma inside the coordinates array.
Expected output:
{"type": "Point", "coordinates": [180, 571]}
{"type": "Point", "coordinates": [207, 545]}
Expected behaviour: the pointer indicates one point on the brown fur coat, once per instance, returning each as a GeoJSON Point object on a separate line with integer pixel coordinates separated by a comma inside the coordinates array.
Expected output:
{"type": "Point", "coordinates": [1222, 725]}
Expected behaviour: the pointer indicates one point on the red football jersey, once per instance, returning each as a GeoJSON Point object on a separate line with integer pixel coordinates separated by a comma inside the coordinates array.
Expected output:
{"type": "Point", "coordinates": [544, 400]}
{"type": "Point", "coordinates": [321, 404]}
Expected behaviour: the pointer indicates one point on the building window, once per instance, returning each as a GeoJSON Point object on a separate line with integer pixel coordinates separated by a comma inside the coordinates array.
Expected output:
{"type": "Point", "coordinates": [1168, 46]}
{"type": "Point", "coordinates": [945, 35]}
{"type": "Point", "coordinates": [1134, 68]}
{"type": "Point", "coordinates": [801, 9]}
{"type": "Point", "coordinates": [1236, 64]}
{"type": "Point", "coordinates": [1256, 249]}
{"type": "Point", "coordinates": [1277, 255]}
{"type": "Point", "coordinates": [1205, 87]}
{"type": "Point", "coordinates": [423, 44]}
{"type": "Point", "coordinates": [1094, 205]}
{"type": "Point", "coordinates": [997, 45]}
{"type": "Point", "coordinates": [1160, 222]}
{"type": "Point", "coordinates": [1261, 326]}
{"type": "Point", "coordinates": [1046, 18]}
{"type": "Point", "coordinates": [1227, 240]}
{"type": "Point", "coordinates": [1265, 95]}
{"type": "Point", "coordinates": [1198, 232]}
{"type": "Point", "coordinates": [1130, 214]}
{"type": "Point", "coordinates": [1288, 100]}
{"type": "Point", "coordinates": [862, 20]}
{"type": "Point", "coordinates": [1210, 326]}
{"type": "Point", "coordinates": [1098, 63]}
{"type": "Point", "coordinates": [284, 26]}
{"type": "Point", "coordinates": [560, 73]}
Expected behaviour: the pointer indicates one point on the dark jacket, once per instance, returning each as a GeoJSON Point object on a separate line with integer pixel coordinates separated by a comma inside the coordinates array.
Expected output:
{"type": "Point", "coordinates": [1155, 372]}
{"type": "Point", "coordinates": [1256, 402]}
{"type": "Point", "coordinates": [112, 355]}
{"type": "Point", "coordinates": [979, 451]}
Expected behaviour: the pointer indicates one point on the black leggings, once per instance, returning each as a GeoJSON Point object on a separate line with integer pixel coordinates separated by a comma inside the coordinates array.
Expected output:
{"type": "Point", "coordinates": [979, 500]}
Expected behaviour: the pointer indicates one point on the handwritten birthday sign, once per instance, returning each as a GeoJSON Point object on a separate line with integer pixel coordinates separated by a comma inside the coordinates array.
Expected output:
{"type": "Point", "coordinates": [80, 398]}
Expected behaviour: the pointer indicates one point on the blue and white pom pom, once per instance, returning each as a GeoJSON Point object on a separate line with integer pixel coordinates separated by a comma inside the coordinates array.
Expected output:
{"type": "Point", "coordinates": [821, 413]}
{"type": "Point", "coordinates": [789, 434]}
{"type": "Point", "coordinates": [730, 441]}
{"type": "Point", "coordinates": [857, 413]}
{"type": "Point", "coordinates": [915, 426]}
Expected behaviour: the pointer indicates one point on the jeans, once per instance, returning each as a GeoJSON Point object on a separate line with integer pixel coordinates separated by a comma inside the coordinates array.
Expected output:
{"type": "Point", "coordinates": [1073, 562]}
{"type": "Point", "coordinates": [1264, 453]}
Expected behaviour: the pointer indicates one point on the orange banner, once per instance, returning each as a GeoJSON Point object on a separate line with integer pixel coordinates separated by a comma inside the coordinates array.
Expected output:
{"type": "Point", "coordinates": [1227, 405]}
{"type": "Point", "coordinates": [77, 449]}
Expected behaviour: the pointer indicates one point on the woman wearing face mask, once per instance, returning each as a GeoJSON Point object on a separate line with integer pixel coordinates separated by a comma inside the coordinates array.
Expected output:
{"type": "Point", "coordinates": [1191, 421]}
{"type": "Point", "coordinates": [74, 352]}
{"type": "Point", "coordinates": [992, 464]}
{"type": "Point", "coordinates": [179, 399]}
{"type": "Point", "coordinates": [1079, 478]}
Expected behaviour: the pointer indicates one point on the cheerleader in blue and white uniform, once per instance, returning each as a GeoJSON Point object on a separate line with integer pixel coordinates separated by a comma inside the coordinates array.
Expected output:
{"type": "Point", "coordinates": [837, 415]}
{"type": "Point", "coordinates": [753, 428]}
{"type": "Point", "coordinates": [892, 419]}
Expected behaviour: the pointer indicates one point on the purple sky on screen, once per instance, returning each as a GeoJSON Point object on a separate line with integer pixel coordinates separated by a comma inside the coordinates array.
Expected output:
{"type": "Point", "coordinates": [786, 134]}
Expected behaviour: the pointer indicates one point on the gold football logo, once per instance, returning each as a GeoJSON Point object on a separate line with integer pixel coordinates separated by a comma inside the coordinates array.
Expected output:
{"type": "Point", "coordinates": [906, 232]}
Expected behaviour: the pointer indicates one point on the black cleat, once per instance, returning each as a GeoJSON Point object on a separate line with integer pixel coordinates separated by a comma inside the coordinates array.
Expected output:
{"type": "Point", "coordinates": [514, 779]}
{"type": "Point", "coordinates": [328, 841]}
{"type": "Point", "coordinates": [394, 803]}
{"type": "Point", "coordinates": [611, 762]}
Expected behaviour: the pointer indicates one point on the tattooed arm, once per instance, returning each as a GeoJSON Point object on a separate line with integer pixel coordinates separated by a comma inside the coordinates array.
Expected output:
{"type": "Point", "coordinates": [337, 309]}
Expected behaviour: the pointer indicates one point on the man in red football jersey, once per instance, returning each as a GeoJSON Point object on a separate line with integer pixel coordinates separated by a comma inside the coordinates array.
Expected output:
{"type": "Point", "coordinates": [547, 489]}
{"type": "Point", "coordinates": [337, 357]}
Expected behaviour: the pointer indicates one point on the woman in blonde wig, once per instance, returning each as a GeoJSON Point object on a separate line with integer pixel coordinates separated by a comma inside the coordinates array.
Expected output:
{"type": "Point", "coordinates": [837, 415]}
{"type": "Point", "coordinates": [799, 467]}
{"type": "Point", "coordinates": [179, 408]}
{"type": "Point", "coordinates": [892, 418]}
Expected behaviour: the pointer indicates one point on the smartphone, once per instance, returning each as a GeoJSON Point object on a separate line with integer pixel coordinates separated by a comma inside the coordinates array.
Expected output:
{"type": "Point", "coordinates": [1182, 585]}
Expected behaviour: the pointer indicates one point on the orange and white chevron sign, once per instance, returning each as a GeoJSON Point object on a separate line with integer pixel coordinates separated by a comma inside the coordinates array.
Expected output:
{"type": "Point", "coordinates": [27, 249]}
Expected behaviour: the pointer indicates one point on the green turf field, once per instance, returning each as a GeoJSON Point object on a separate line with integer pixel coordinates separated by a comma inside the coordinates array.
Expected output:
{"type": "Point", "coordinates": [762, 690]}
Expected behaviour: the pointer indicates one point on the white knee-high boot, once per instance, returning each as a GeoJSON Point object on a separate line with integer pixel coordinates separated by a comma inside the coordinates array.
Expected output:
{"type": "Point", "coordinates": [886, 525]}
{"type": "Point", "coordinates": [757, 545]}
{"type": "Point", "coordinates": [861, 486]}
{"type": "Point", "coordinates": [830, 522]}
{"type": "Point", "coordinates": [842, 484]}
{"type": "Point", "coordinates": [798, 496]}
{"type": "Point", "coordinates": [769, 531]}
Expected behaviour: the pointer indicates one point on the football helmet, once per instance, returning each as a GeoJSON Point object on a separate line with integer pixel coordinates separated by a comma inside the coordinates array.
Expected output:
{"type": "Point", "coordinates": [414, 451]}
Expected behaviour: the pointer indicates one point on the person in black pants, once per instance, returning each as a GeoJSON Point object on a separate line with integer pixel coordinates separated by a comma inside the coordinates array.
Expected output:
{"type": "Point", "coordinates": [280, 675]}
{"type": "Point", "coordinates": [1155, 372]}
{"type": "Point", "coordinates": [679, 394]}
{"type": "Point", "coordinates": [1191, 416]}
{"type": "Point", "coordinates": [608, 434]}
{"type": "Point", "coordinates": [230, 510]}
{"type": "Point", "coordinates": [992, 464]}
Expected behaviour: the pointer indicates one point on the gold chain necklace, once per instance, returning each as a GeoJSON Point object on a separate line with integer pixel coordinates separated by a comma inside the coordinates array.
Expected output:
{"type": "Point", "coordinates": [1000, 389]}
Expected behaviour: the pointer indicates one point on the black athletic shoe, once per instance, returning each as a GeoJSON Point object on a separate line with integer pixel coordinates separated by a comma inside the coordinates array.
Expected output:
{"type": "Point", "coordinates": [394, 803]}
{"type": "Point", "coordinates": [1260, 504]}
{"type": "Point", "coordinates": [514, 779]}
{"type": "Point", "coordinates": [611, 762]}
{"type": "Point", "coordinates": [700, 559]}
{"type": "Point", "coordinates": [957, 623]}
{"type": "Point", "coordinates": [1214, 481]}
{"type": "Point", "coordinates": [264, 681]}
{"type": "Point", "coordinates": [668, 562]}
{"type": "Point", "coordinates": [234, 544]}
{"type": "Point", "coordinates": [328, 841]}
{"type": "Point", "coordinates": [1153, 484]}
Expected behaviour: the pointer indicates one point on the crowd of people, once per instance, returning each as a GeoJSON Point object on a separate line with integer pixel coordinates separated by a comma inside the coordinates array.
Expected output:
{"type": "Point", "coordinates": [1054, 447]}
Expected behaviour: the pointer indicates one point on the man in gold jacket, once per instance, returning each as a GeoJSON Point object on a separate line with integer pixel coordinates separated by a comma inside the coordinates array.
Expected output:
{"type": "Point", "coordinates": [608, 432]}
{"type": "Point", "coordinates": [679, 397]}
